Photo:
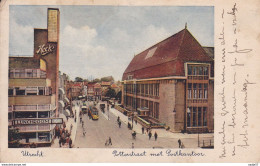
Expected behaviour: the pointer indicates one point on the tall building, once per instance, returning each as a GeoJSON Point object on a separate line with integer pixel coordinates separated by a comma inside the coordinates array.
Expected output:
{"type": "Point", "coordinates": [33, 87]}
{"type": "Point", "coordinates": [172, 84]}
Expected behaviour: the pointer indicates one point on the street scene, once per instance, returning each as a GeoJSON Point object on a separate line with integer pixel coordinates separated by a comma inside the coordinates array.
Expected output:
{"type": "Point", "coordinates": [95, 133]}
{"type": "Point", "coordinates": [115, 77]}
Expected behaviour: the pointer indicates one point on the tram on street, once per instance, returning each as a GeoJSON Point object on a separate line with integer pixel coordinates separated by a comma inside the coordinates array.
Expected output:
{"type": "Point", "coordinates": [93, 111]}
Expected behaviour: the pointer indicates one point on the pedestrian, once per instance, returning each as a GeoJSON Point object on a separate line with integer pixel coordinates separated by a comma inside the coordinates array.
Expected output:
{"type": "Point", "coordinates": [60, 141]}
{"type": "Point", "coordinates": [118, 119]}
{"type": "Point", "coordinates": [133, 145]}
{"type": "Point", "coordinates": [150, 135]}
{"type": "Point", "coordinates": [147, 130]}
{"type": "Point", "coordinates": [142, 130]}
{"type": "Point", "coordinates": [75, 119]}
{"type": "Point", "coordinates": [109, 141]}
{"type": "Point", "coordinates": [67, 118]}
{"type": "Point", "coordinates": [80, 119]}
{"type": "Point", "coordinates": [135, 121]}
{"type": "Point", "coordinates": [179, 141]}
{"type": "Point", "coordinates": [155, 136]}
{"type": "Point", "coordinates": [64, 125]}
{"type": "Point", "coordinates": [70, 143]}
{"type": "Point", "coordinates": [71, 126]}
{"type": "Point", "coordinates": [82, 123]}
{"type": "Point", "coordinates": [182, 145]}
{"type": "Point", "coordinates": [119, 123]}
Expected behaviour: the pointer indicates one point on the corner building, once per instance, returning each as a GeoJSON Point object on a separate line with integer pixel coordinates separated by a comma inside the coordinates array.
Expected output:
{"type": "Point", "coordinates": [33, 87]}
{"type": "Point", "coordinates": [172, 83]}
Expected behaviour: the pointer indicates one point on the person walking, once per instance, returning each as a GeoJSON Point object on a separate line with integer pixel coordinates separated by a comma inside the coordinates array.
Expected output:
{"type": "Point", "coordinates": [119, 123]}
{"type": "Point", "coordinates": [150, 135]}
{"type": "Point", "coordinates": [118, 119]}
{"type": "Point", "coordinates": [70, 143]}
{"type": "Point", "coordinates": [142, 130]}
{"type": "Point", "coordinates": [155, 136]}
{"type": "Point", "coordinates": [109, 141]}
{"type": "Point", "coordinates": [60, 141]}
{"type": "Point", "coordinates": [179, 141]}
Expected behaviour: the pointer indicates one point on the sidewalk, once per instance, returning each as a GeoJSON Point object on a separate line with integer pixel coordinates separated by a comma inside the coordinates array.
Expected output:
{"type": "Point", "coordinates": [161, 132]}
{"type": "Point", "coordinates": [70, 121]}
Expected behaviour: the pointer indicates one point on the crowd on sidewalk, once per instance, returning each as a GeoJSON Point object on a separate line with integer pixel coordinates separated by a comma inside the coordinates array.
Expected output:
{"type": "Point", "coordinates": [63, 134]}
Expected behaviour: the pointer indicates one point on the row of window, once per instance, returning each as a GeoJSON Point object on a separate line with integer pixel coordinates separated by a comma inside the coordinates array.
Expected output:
{"type": "Point", "coordinates": [27, 73]}
{"type": "Point", "coordinates": [143, 89]}
{"type": "Point", "coordinates": [22, 91]}
{"type": "Point", "coordinates": [196, 70]}
{"type": "Point", "coordinates": [141, 103]}
{"type": "Point", "coordinates": [196, 116]}
{"type": "Point", "coordinates": [197, 91]}
{"type": "Point", "coordinates": [42, 114]}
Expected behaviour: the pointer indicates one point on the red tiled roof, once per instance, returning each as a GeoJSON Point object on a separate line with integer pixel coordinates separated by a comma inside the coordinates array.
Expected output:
{"type": "Point", "coordinates": [114, 86]}
{"type": "Point", "coordinates": [167, 57]}
{"type": "Point", "coordinates": [105, 83]}
{"type": "Point", "coordinates": [76, 84]}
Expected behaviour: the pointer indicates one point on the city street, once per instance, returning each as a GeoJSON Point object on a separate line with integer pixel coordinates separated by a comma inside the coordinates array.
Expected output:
{"type": "Point", "coordinates": [98, 131]}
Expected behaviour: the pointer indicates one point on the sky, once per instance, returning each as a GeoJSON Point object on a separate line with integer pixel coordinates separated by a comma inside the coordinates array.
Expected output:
{"type": "Point", "coordinates": [98, 41]}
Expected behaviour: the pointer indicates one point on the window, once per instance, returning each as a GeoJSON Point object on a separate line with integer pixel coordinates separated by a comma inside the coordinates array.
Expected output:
{"type": "Point", "coordinates": [194, 91]}
{"type": "Point", "coordinates": [43, 114]}
{"type": "Point", "coordinates": [204, 116]}
{"type": "Point", "coordinates": [41, 90]}
{"type": "Point", "coordinates": [205, 91]}
{"type": "Point", "coordinates": [20, 91]}
{"type": "Point", "coordinates": [194, 121]}
{"type": "Point", "coordinates": [199, 116]}
{"type": "Point", "coordinates": [188, 116]}
{"type": "Point", "coordinates": [189, 91]}
{"type": "Point", "coordinates": [10, 92]}
{"type": "Point", "coordinates": [189, 70]}
{"type": "Point", "coordinates": [200, 91]}
{"type": "Point", "coordinates": [130, 77]}
{"type": "Point", "coordinates": [156, 112]}
{"type": "Point", "coordinates": [195, 70]}
{"type": "Point", "coordinates": [206, 71]}
{"type": "Point", "coordinates": [31, 90]}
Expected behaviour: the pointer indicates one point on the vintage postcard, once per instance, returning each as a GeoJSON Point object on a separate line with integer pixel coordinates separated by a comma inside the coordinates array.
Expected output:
{"type": "Point", "coordinates": [169, 81]}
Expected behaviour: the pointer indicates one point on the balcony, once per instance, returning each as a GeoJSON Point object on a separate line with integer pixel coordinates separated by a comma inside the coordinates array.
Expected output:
{"type": "Point", "coordinates": [28, 128]}
{"type": "Point", "coordinates": [38, 107]}
{"type": "Point", "coordinates": [27, 73]}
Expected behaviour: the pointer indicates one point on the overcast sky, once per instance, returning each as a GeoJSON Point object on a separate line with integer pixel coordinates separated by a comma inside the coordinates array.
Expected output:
{"type": "Point", "coordinates": [101, 41]}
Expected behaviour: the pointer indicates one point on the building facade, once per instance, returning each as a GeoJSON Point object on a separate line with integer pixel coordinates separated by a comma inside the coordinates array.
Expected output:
{"type": "Point", "coordinates": [33, 87]}
{"type": "Point", "coordinates": [172, 83]}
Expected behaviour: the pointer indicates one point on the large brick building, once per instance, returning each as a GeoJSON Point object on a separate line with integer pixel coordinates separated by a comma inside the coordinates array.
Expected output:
{"type": "Point", "coordinates": [172, 83]}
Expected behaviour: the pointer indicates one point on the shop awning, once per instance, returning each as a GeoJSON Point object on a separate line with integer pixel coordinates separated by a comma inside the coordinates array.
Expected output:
{"type": "Point", "coordinates": [67, 112]}
{"type": "Point", "coordinates": [61, 103]}
{"type": "Point", "coordinates": [61, 91]}
{"type": "Point", "coordinates": [66, 100]}
{"type": "Point", "coordinates": [63, 117]}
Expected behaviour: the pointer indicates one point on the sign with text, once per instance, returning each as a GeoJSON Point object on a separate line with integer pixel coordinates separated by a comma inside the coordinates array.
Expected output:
{"type": "Point", "coordinates": [37, 121]}
{"type": "Point", "coordinates": [45, 49]}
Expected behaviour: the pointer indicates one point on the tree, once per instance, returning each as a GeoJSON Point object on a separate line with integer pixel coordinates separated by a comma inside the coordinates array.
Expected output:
{"type": "Point", "coordinates": [13, 138]}
{"type": "Point", "coordinates": [96, 80]}
{"type": "Point", "coordinates": [119, 96]}
{"type": "Point", "coordinates": [107, 79]}
{"type": "Point", "coordinates": [78, 79]}
{"type": "Point", "coordinates": [110, 93]}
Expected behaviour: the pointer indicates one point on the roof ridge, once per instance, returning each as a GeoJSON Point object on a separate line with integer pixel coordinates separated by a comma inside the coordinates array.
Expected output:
{"type": "Point", "coordinates": [158, 43]}
{"type": "Point", "coordinates": [177, 57]}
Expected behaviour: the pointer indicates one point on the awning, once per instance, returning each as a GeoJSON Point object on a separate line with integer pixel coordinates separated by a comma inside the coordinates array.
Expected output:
{"type": "Point", "coordinates": [63, 117]}
{"type": "Point", "coordinates": [61, 103]}
{"type": "Point", "coordinates": [66, 100]}
{"type": "Point", "coordinates": [61, 90]}
{"type": "Point", "coordinates": [67, 112]}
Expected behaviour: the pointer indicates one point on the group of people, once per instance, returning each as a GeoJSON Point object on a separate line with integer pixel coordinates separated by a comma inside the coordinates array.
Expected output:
{"type": "Point", "coordinates": [63, 135]}
{"type": "Point", "coordinates": [149, 132]}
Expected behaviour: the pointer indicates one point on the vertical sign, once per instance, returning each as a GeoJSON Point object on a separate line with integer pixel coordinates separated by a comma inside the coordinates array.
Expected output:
{"type": "Point", "coordinates": [53, 20]}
